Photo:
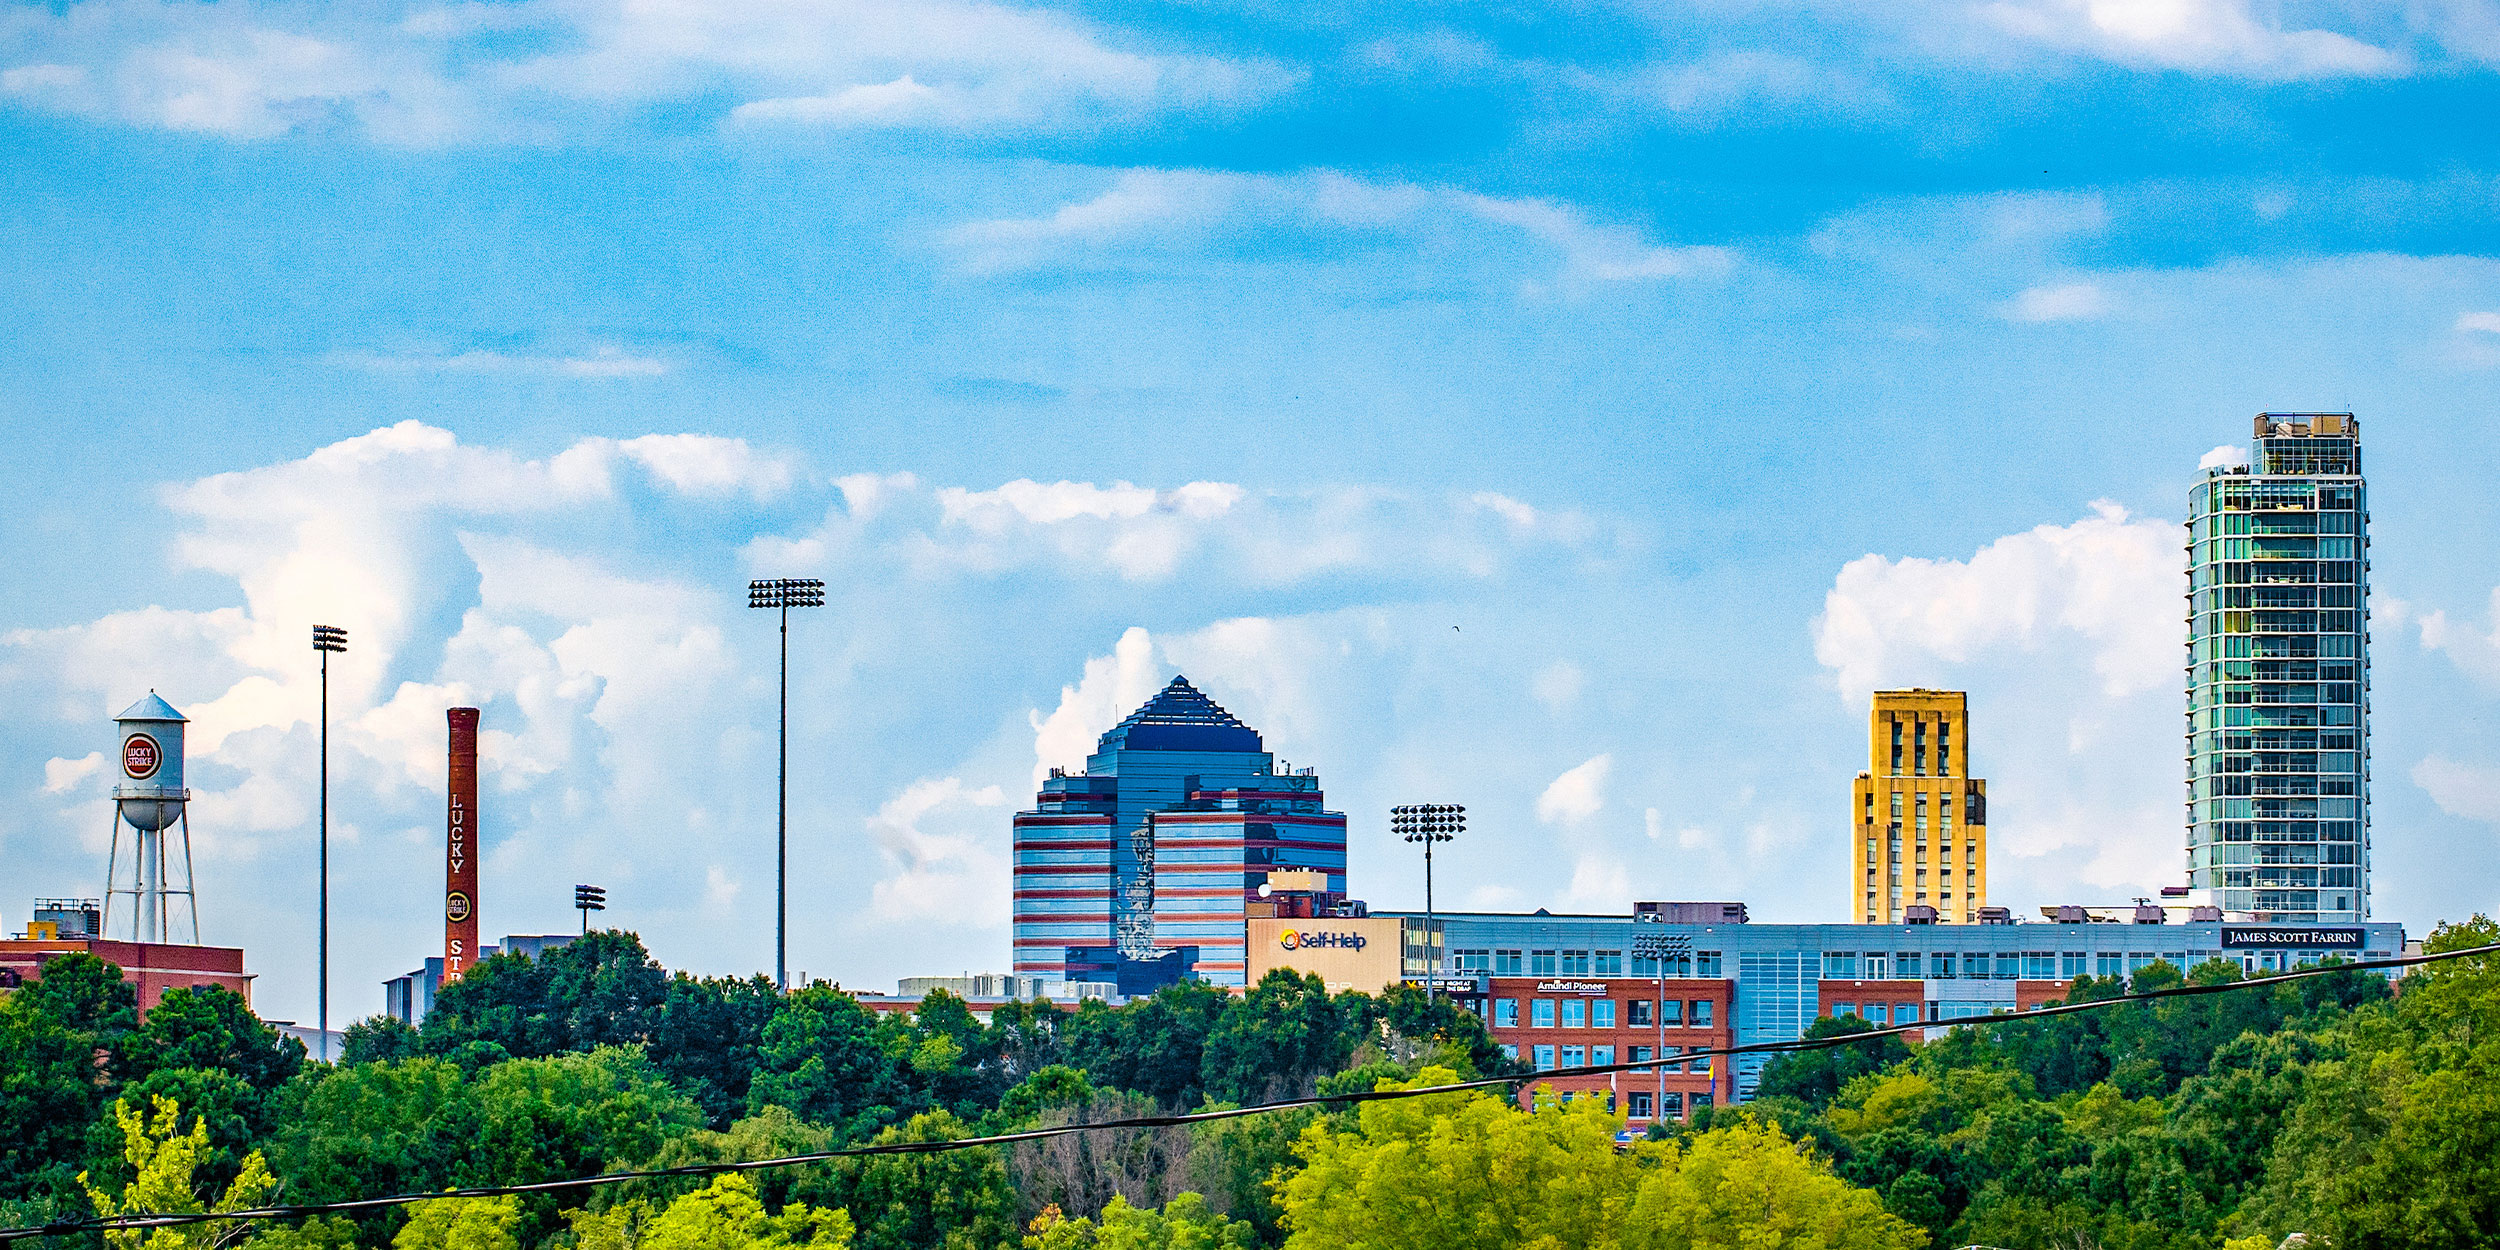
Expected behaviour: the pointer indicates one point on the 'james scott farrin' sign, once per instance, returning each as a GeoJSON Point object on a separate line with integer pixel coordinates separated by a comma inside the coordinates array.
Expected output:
{"type": "Point", "coordinates": [2266, 937]}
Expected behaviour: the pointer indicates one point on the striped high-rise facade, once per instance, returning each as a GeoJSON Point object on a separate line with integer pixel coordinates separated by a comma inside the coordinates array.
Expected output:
{"type": "Point", "coordinates": [1138, 868]}
{"type": "Point", "coordinates": [2278, 712]}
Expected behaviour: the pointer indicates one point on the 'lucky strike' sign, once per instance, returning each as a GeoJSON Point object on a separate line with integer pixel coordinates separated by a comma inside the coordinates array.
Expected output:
{"type": "Point", "coordinates": [141, 757]}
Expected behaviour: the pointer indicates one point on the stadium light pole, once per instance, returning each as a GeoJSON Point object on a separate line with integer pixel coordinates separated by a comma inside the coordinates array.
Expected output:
{"type": "Point", "coordinates": [1428, 823]}
{"type": "Point", "coordinates": [1659, 947]}
{"type": "Point", "coordinates": [326, 639]}
{"type": "Point", "coordinates": [587, 899]}
{"type": "Point", "coordinates": [783, 593]}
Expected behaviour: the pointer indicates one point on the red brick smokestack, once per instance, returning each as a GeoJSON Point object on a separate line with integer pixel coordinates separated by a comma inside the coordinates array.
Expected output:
{"type": "Point", "coordinates": [460, 848]}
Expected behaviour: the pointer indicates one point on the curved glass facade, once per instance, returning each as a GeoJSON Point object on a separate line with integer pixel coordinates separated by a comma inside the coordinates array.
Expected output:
{"type": "Point", "coordinates": [2278, 676]}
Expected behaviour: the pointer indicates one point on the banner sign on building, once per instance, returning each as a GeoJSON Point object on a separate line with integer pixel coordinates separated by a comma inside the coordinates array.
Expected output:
{"type": "Point", "coordinates": [2265, 937]}
{"type": "Point", "coordinates": [1571, 987]}
{"type": "Point", "coordinates": [1299, 940]}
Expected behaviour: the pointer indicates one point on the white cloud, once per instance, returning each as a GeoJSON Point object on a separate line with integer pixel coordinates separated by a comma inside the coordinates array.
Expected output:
{"type": "Point", "coordinates": [2107, 586]}
{"type": "Point", "coordinates": [1112, 687]}
{"type": "Point", "coordinates": [61, 776]}
{"type": "Point", "coordinates": [1600, 884]}
{"type": "Point", "coordinates": [1577, 794]}
{"type": "Point", "coordinates": [2460, 789]}
{"type": "Point", "coordinates": [2223, 457]}
{"type": "Point", "coordinates": [1149, 217]}
{"type": "Point", "coordinates": [2478, 323]}
{"type": "Point", "coordinates": [2211, 36]}
{"type": "Point", "coordinates": [1557, 685]}
{"type": "Point", "coordinates": [958, 876]}
{"type": "Point", "coordinates": [2073, 301]}
{"type": "Point", "coordinates": [702, 464]}
{"type": "Point", "coordinates": [2473, 649]}
{"type": "Point", "coordinates": [603, 362]}
{"type": "Point", "coordinates": [264, 68]}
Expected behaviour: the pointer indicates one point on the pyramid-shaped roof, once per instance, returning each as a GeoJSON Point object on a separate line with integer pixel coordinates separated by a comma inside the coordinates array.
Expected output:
{"type": "Point", "coordinates": [151, 708]}
{"type": "Point", "coordinates": [1181, 719]}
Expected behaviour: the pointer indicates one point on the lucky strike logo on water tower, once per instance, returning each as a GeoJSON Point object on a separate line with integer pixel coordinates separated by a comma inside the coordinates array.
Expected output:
{"type": "Point", "coordinates": [141, 757]}
{"type": "Point", "coordinates": [1295, 939]}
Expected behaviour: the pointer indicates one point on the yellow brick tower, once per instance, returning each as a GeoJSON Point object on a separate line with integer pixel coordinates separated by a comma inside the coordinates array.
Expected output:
{"type": "Point", "coordinates": [1921, 819]}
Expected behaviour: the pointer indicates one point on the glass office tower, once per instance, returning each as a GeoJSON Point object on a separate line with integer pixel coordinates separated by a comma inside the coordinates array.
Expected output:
{"type": "Point", "coordinates": [2278, 710]}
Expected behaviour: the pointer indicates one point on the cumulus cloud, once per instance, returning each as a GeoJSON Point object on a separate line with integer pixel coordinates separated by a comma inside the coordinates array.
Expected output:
{"type": "Point", "coordinates": [2223, 457]}
{"type": "Point", "coordinates": [2471, 648]}
{"type": "Point", "coordinates": [601, 362]}
{"type": "Point", "coordinates": [264, 68]}
{"type": "Point", "coordinates": [2107, 586]}
{"type": "Point", "coordinates": [2479, 323]}
{"type": "Point", "coordinates": [1148, 217]}
{"type": "Point", "coordinates": [2211, 36]}
{"type": "Point", "coordinates": [2072, 301]}
{"type": "Point", "coordinates": [1557, 685]}
{"type": "Point", "coordinates": [1112, 687]}
{"type": "Point", "coordinates": [61, 776]}
{"type": "Point", "coordinates": [1577, 794]}
{"type": "Point", "coordinates": [2460, 789]}
{"type": "Point", "coordinates": [940, 841]}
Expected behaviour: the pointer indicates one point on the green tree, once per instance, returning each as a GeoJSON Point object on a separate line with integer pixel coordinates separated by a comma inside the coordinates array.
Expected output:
{"type": "Point", "coordinates": [461, 1224]}
{"type": "Point", "coordinates": [379, 1039]}
{"type": "Point", "coordinates": [2398, 1142]}
{"type": "Point", "coordinates": [1184, 1223]}
{"type": "Point", "coordinates": [1815, 1077]}
{"type": "Point", "coordinates": [162, 1158]}
{"type": "Point", "coordinates": [821, 1057]}
{"type": "Point", "coordinates": [56, 1037]}
{"type": "Point", "coordinates": [210, 1027]}
{"type": "Point", "coordinates": [706, 1036]}
{"type": "Point", "coordinates": [1284, 1034]}
{"type": "Point", "coordinates": [950, 1200]}
{"type": "Point", "coordinates": [724, 1215]}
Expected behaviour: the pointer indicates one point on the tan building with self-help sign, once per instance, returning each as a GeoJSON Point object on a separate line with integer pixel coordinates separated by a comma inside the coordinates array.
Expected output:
{"type": "Point", "coordinates": [1345, 953]}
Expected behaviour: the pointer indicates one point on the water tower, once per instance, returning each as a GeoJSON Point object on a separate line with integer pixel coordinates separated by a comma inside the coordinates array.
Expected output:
{"type": "Point", "coordinates": [152, 801]}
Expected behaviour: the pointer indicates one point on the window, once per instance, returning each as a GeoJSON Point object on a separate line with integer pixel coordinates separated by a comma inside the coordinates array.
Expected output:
{"type": "Point", "coordinates": [1506, 1013]}
{"type": "Point", "coordinates": [1639, 1010]}
{"type": "Point", "coordinates": [1878, 965]}
{"type": "Point", "coordinates": [1702, 1064]}
{"type": "Point", "coordinates": [1610, 963]}
{"type": "Point", "coordinates": [1840, 965]}
{"type": "Point", "coordinates": [1975, 965]}
{"type": "Point", "coordinates": [1905, 965]}
{"type": "Point", "coordinates": [1541, 963]}
{"type": "Point", "coordinates": [1701, 1100]}
{"type": "Point", "coordinates": [1544, 1058]}
{"type": "Point", "coordinates": [1602, 1014]}
{"type": "Point", "coordinates": [1510, 1052]}
{"type": "Point", "coordinates": [2109, 964]}
{"type": "Point", "coordinates": [1698, 1013]}
{"type": "Point", "coordinates": [1641, 1054]}
{"type": "Point", "coordinates": [1575, 963]}
{"type": "Point", "coordinates": [1541, 1013]}
{"type": "Point", "coordinates": [1940, 966]}
{"type": "Point", "coordinates": [1640, 1104]}
{"type": "Point", "coordinates": [1575, 1056]}
{"type": "Point", "coordinates": [1844, 1009]}
{"type": "Point", "coordinates": [2071, 964]}
{"type": "Point", "coordinates": [1506, 963]}
{"type": "Point", "coordinates": [2009, 966]}
{"type": "Point", "coordinates": [1671, 1011]}
{"type": "Point", "coordinates": [1601, 1055]}
{"type": "Point", "coordinates": [1575, 1013]}
{"type": "Point", "coordinates": [1673, 1107]}
{"type": "Point", "coordinates": [1473, 961]}
{"type": "Point", "coordinates": [1669, 1055]}
{"type": "Point", "coordinates": [1706, 964]}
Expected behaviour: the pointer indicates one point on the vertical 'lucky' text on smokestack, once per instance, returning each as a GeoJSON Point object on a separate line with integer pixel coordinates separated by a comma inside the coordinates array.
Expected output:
{"type": "Point", "coordinates": [460, 847]}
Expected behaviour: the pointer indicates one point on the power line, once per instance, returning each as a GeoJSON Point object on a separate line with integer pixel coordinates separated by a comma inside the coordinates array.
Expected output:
{"type": "Point", "coordinates": [175, 1219]}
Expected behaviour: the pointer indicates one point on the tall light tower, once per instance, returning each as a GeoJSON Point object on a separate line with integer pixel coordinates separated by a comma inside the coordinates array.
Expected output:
{"type": "Point", "coordinates": [784, 593]}
{"type": "Point", "coordinates": [326, 639]}
{"type": "Point", "coordinates": [1660, 947]}
{"type": "Point", "coordinates": [1429, 823]}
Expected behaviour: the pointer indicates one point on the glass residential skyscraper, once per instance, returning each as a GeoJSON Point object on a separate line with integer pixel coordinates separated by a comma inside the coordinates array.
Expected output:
{"type": "Point", "coordinates": [2278, 710]}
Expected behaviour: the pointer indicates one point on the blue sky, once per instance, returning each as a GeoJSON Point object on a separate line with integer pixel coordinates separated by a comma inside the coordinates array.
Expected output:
{"type": "Point", "coordinates": [1569, 410]}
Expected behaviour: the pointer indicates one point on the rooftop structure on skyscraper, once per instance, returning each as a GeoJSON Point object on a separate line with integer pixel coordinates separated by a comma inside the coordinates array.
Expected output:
{"type": "Point", "coordinates": [2278, 788]}
{"type": "Point", "coordinates": [1141, 869]}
